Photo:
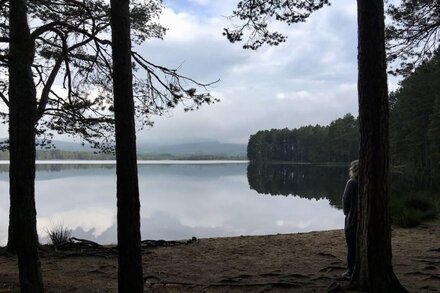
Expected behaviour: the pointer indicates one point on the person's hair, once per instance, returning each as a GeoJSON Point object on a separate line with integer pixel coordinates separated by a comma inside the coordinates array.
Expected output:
{"type": "Point", "coordinates": [354, 169]}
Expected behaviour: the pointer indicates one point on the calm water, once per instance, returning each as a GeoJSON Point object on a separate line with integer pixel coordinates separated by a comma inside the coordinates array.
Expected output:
{"type": "Point", "coordinates": [187, 199]}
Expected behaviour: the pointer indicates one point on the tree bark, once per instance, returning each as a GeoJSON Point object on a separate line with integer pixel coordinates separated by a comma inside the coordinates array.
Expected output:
{"type": "Point", "coordinates": [374, 270]}
{"type": "Point", "coordinates": [130, 278]}
{"type": "Point", "coordinates": [22, 108]}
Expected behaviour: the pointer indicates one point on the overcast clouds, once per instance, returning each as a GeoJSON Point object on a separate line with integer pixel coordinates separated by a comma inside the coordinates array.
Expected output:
{"type": "Point", "coordinates": [310, 79]}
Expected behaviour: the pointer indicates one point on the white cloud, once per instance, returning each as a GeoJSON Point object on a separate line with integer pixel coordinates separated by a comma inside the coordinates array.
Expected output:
{"type": "Point", "coordinates": [201, 2]}
{"type": "Point", "coordinates": [295, 96]}
{"type": "Point", "coordinates": [188, 28]}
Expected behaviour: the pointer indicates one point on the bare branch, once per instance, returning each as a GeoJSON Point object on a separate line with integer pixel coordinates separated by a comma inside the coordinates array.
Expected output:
{"type": "Point", "coordinates": [47, 88]}
{"type": "Point", "coordinates": [4, 99]}
{"type": "Point", "coordinates": [50, 26]}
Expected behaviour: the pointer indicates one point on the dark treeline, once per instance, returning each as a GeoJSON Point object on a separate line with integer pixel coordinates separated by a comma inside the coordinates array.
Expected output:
{"type": "Point", "coordinates": [337, 142]}
{"type": "Point", "coordinates": [415, 124]}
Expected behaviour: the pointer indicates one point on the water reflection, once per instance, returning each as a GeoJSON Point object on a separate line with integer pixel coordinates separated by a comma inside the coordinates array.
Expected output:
{"type": "Point", "coordinates": [306, 181]}
{"type": "Point", "coordinates": [177, 202]}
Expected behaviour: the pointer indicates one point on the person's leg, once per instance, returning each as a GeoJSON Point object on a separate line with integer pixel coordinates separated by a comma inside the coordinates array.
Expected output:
{"type": "Point", "coordinates": [350, 237]}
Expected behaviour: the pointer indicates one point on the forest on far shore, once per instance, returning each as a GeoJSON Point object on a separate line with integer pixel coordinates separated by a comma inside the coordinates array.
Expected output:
{"type": "Point", "coordinates": [55, 154]}
{"type": "Point", "coordinates": [414, 132]}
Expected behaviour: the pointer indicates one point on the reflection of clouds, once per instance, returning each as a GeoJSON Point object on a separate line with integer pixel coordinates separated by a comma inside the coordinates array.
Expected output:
{"type": "Point", "coordinates": [174, 205]}
{"type": "Point", "coordinates": [229, 206]}
{"type": "Point", "coordinates": [4, 212]}
{"type": "Point", "coordinates": [296, 215]}
{"type": "Point", "coordinates": [92, 219]}
{"type": "Point", "coordinates": [77, 201]}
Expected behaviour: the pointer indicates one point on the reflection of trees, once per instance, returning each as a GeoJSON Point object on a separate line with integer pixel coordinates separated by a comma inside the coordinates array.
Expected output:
{"type": "Point", "coordinates": [307, 181]}
{"type": "Point", "coordinates": [62, 167]}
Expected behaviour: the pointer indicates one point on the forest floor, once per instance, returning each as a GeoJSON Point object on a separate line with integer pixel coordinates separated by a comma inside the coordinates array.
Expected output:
{"type": "Point", "coordinates": [304, 262]}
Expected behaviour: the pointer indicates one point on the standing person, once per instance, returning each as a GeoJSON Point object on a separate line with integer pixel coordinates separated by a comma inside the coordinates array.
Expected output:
{"type": "Point", "coordinates": [349, 205]}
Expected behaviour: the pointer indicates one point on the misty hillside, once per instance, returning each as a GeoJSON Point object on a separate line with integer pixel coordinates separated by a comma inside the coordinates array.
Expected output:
{"type": "Point", "coordinates": [196, 148]}
{"type": "Point", "coordinates": [201, 148]}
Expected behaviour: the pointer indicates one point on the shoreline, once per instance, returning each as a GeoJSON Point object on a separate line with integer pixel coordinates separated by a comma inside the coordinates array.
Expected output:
{"type": "Point", "coordinates": [299, 262]}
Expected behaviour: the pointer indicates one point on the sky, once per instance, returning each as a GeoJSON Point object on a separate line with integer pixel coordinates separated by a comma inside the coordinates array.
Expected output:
{"type": "Point", "coordinates": [310, 79]}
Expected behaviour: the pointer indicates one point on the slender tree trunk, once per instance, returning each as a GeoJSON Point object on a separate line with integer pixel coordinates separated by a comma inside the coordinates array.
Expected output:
{"type": "Point", "coordinates": [129, 240]}
{"type": "Point", "coordinates": [22, 110]}
{"type": "Point", "coordinates": [374, 270]}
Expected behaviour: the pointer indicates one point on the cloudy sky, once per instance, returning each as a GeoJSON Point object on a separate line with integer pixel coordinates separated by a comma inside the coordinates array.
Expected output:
{"type": "Point", "coordinates": [310, 79]}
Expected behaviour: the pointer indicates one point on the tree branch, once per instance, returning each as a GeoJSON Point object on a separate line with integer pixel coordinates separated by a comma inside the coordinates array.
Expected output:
{"type": "Point", "coordinates": [4, 99]}
{"type": "Point", "coordinates": [47, 88]}
{"type": "Point", "coordinates": [50, 26]}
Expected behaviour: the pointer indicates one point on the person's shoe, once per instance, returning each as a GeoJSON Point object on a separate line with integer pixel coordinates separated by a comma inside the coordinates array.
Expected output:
{"type": "Point", "coordinates": [347, 275]}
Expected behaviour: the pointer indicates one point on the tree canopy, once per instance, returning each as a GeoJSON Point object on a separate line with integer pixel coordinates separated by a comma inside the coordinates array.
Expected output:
{"type": "Point", "coordinates": [72, 69]}
{"type": "Point", "coordinates": [415, 125]}
{"type": "Point", "coordinates": [413, 34]}
{"type": "Point", "coordinates": [256, 15]}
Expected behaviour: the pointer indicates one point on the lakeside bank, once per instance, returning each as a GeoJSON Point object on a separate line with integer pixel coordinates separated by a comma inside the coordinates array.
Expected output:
{"type": "Point", "coordinates": [301, 262]}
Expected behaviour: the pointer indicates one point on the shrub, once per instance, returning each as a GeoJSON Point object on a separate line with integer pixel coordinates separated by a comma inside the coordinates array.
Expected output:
{"type": "Point", "coordinates": [411, 210]}
{"type": "Point", "coordinates": [422, 204]}
{"type": "Point", "coordinates": [407, 218]}
{"type": "Point", "coordinates": [59, 234]}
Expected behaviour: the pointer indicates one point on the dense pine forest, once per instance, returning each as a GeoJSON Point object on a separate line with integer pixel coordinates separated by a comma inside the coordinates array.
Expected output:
{"type": "Point", "coordinates": [414, 132]}
{"type": "Point", "coordinates": [415, 123]}
{"type": "Point", "coordinates": [337, 142]}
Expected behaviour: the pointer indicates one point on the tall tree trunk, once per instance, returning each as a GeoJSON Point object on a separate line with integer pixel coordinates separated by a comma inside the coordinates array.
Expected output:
{"type": "Point", "coordinates": [374, 270]}
{"type": "Point", "coordinates": [22, 110]}
{"type": "Point", "coordinates": [129, 239]}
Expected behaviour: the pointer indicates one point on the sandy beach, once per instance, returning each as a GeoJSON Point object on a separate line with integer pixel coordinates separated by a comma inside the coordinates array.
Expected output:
{"type": "Point", "coordinates": [303, 262]}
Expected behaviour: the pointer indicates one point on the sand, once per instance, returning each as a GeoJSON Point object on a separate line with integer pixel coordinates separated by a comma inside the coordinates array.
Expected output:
{"type": "Point", "coordinates": [303, 262]}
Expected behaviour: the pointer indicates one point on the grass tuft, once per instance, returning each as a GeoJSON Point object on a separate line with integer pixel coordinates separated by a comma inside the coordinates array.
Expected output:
{"type": "Point", "coordinates": [59, 234]}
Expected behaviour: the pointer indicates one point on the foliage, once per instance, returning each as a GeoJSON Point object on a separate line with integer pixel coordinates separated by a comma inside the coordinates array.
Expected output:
{"type": "Point", "coordinates": [59, 234]}
{"type": "Point", "coordinates": [413, 34]}
{"type": "Point", "coordinates": [415, 123]}
{"type": "Point", "coordinates": [411, 210]}
{"type": "Point", "coordinates": [256, 15]}
{"type": "Point", "coordinates": [337, 142]}
{"type": "Point", "coordinates": [73, 47]}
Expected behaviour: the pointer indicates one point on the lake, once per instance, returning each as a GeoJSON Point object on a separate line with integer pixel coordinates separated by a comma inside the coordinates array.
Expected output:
{"type": "Point", "coordinates": [184, 199]}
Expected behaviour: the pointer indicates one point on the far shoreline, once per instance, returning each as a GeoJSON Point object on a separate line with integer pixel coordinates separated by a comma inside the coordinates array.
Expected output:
{"type": "Point", "coordinates": [140, 162]}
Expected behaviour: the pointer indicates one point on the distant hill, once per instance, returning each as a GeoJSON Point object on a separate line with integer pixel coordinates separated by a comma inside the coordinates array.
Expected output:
{"type": "Point", "coordinates": [196, 148]}
{"type": "Point", "coordinates": [192, 150]}
{"type": "Point", "coordinates": [71, 146]}
{"type": "Point", "coordinates": [64, 146]}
